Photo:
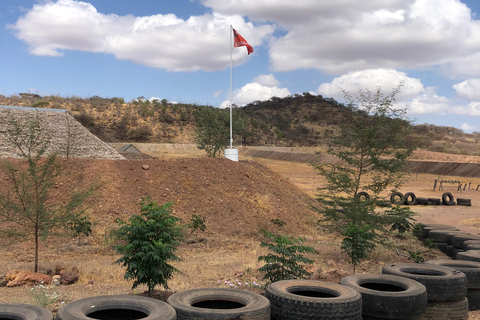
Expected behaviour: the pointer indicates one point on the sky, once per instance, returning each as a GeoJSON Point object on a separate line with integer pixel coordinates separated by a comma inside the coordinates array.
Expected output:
{"type": "Point", "coordinates": [179, 50]}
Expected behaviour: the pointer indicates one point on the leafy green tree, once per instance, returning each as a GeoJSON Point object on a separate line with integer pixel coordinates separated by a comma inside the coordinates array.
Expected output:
{"type": "Point", "coordinates": [213, 130]}
{"type": "Point", "coordinates": [152, 239]}
{"type": "Point", "coordinates": [372, 150]}
{"type": "Point", "coordinates": [25, 205]}
{"type": "Point", "coordinates": [287, 260]}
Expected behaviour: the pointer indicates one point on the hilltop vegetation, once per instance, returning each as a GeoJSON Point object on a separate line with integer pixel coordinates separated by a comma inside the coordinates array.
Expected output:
{"type": "Point", "coordinates": [298, 120]}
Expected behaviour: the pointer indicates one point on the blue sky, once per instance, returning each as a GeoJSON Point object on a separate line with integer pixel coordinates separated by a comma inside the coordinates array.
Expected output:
{"type": "Point", "coordinates": [179, 50]}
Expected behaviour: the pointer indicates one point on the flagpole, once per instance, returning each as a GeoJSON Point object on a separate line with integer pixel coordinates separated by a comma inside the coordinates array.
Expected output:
{"type": "Point", "coordinates": [231, 83]}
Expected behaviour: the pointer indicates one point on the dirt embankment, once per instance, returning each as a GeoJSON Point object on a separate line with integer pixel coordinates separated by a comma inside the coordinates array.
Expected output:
{"type": "Point", "coordinates": [235, 197]}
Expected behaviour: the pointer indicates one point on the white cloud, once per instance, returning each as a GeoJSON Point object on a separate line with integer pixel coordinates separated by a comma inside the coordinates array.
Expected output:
{"type": "Point", "coordinates": [386, 79]}
{"type": "Point", "coordinates": [160, 41]}
{"type": "Point", "coordinates": [263, 87]}
{"type": "Point", "coordinates": [469, 89]}
{"type": "Point", "coordinates": [429, 103]}
{"type": "Point", "coordinates": [268, 80]}
{"type": "Point", "coordinates": [468, 128]}
{"type": "Point", "coordinates": [347, 35]}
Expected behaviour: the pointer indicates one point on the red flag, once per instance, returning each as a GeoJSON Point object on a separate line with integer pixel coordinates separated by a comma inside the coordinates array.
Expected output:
{"type": "Point", "coordinates": [239, 41]}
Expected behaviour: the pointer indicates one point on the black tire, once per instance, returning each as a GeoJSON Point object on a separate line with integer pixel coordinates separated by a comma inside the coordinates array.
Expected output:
{"type": "Point", "coordinates": [466, 243]}
{"type": "Point", "coordinates": [434, 201]}
{"type": "Point", "coordinates": [422, 201]}
{"type": "Point", "coordinates": [442, 283]}
{"type": "Point", "coordinates": [456, 251]}
{"type": "Point", "coordinates": [463, 201]}
{"type": "Point", "coordinates": [436, 310]}
{"type": "Point", "coordinates": [362, 196]}
{"type": "Point", "coordinates": [448, 199]}
{"type": "Point", "coordinates": [397, 198]}
{"type": "Point", "coordinates": [470, 268]}
{"type": "Point", "coordinates": [465, 204]}
{"type": "Point", "coordinates": [117, 306]}
{"type": "Point", "coordinates": [311, 300]}
{"type": "Point", "coordinates": [410, 199]}
{"type": "Point", "coordinates": [450, 235]}
{"type": "Point", "coordinates": [219, 303]}
{"type": "Point", "coordinates": [20, 311]}
{"type": "Point", "coordinates": [471, 246]}
{"type": "Point", "coordinates": [442, 246]}
{"type": "Point", "coordinates": [426, 230]}
{"type": "Point", "coordinates": [459, 239]}
{"type": "Point", "coordinates": [469, 255]}
{"type": "Point", "coordinates": [438, 235]}
{"type": "Point", "coordinates": [450, 250]}
{"type": "Point", "coordinates": [473, 296]}
{"type": "Point", "coordinates": [387, 296]}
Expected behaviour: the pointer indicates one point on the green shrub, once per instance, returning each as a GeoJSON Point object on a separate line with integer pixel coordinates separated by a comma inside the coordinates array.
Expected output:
{"type": "Point", "coordinates": [152, 239]}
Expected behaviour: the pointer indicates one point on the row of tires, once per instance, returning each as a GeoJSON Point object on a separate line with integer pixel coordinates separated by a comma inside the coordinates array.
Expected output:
{"type": "Point", "coordinates": [402, 291]}
{"type": "Point", "coordinates": [410, 199]}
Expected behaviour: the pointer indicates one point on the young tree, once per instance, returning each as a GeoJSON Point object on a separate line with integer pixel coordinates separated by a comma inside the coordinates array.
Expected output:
{"type": "Point", "coordinates": [287, 260]}
{"type": "Point", "coordinates": [25, 206]}
{"type": "Point", "coordinates": [212, 130]}
{"type": "Point", "coordinates": [372, 149]}
{"type": "Point", "coordinates": [152, 240]}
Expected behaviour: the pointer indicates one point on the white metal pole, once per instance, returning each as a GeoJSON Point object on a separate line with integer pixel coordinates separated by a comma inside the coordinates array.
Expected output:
{"type": "Point", "coordinates": [231, 83]}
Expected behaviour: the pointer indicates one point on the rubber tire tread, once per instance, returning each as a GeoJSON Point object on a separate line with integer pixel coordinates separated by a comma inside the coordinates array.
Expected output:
{"type": "Point", "coordinates": [286, 305]}
{"type": "Point", "coordinates": [470, 268]}
{"type": "Point", "coordinates": [256, 306]}
{"type": "Point", "coordinates": [459, 239]}
{"type": "Point", "coordinates": [442, 246]}
{"type": "Point", "coordinates": [409, 195]}
{"type": "Point", "coordinates": [78, 310]}
{"type": "Point", "coordinates": [24, 311]}
{"type": "Point", "coordinates": [448, 199]}
{"type": "Point", "coordinates": [466, 243]}
{"type": "Point", "coordinates": [469, 255]}
{"type": "Point", "coordinates": [394, 196]}
{"type": "Point", "coordinates": [435, 201]}
{"type": "Point", "coordinates": [450, 235]}
{"type": "Point", "coordinates": [408, 303]}
{"type": "Point", "coordinates": [453, 310]}
{"type": "Point", "coordinates": [438, 235]}
{"type": "Point", "coordinates": [444, 284]}
{"type": "Point", "coordinates": [463, 200]}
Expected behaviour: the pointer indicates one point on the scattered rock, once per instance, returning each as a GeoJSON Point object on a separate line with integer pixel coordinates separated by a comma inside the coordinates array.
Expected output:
{"type": "Point", "coordinates": [59, 268]}
{"type": "Point", "coordinates": [145, 167]}
{"type": "Point", "coordinates": [29, 278]}
{"type": "Point", "coordinates": [68, 277]}
{"type": "Point", "coordinates": [238, 273]}
{"type": "Point", "coordinates": [3, 283]}
{"type": "Point", "coordinates": [91, 282]}
{"type": "Point", "coordinates": [11, 275]}
{"type": "Point", "coordinates": [56, 280]}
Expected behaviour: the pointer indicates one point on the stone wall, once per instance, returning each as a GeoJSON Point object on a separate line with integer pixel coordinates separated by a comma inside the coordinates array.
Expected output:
{"type": "Point", "coordinates": [62, 131]}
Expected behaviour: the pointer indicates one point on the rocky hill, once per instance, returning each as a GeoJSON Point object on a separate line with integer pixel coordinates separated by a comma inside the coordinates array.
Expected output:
{"type": "Point", "coordinates": [298, 120]}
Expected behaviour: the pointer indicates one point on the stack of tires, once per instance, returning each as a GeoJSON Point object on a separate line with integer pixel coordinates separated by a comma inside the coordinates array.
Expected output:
{"type": "Point", "coordinates": [471, 269]}
{"type": "Point", "coordinates": [438, 233]}
{"type": "Point", "coordinates": [457, 243]}
{"type": "Point", "coordinates": [446, 288]}
{"type": "Point", "coordinates": [19, 311]}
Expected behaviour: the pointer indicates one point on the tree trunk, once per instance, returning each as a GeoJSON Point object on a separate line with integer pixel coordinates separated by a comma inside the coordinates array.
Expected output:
{"type": "Point", "coordinates": [36, 248]}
